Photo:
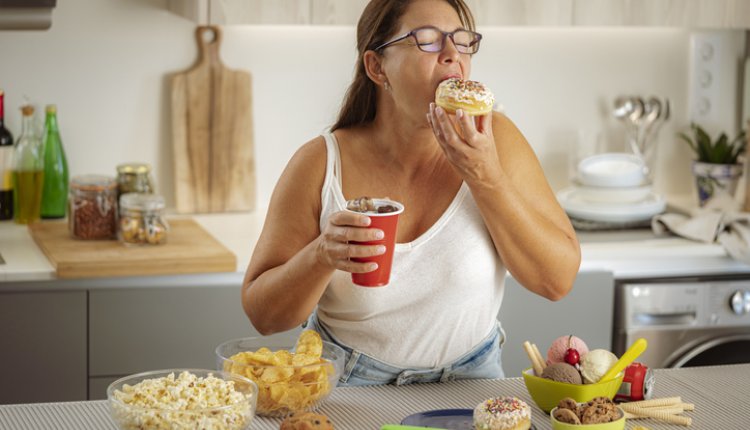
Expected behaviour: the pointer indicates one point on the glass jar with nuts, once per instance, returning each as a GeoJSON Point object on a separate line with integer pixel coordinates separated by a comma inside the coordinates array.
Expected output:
{"type": "Point", "coordinates": [142, 220]}
{"type": "Point", "coordinates": [134, 178]}
{"type": "Point", "coordinates": [92, 204]}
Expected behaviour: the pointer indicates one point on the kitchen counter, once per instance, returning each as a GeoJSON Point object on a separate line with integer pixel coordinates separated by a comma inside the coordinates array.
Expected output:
{"type": "Point", "coordinates": [628, 254]}
{"type": "Point", "coordinates": [24, 261]}
{"type": "Point", "coordinates": [719, 394]}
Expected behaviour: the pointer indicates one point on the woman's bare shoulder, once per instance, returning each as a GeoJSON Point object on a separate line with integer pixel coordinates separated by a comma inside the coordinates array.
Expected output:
{"type": "Point", "coordinates": [311, 154]}
{"type": "Point", "coordinates": [294, 209]}
{"type": "Point", "coordinates": [307, 165]}
{"type": "Point", "coordinates": [504, 125]}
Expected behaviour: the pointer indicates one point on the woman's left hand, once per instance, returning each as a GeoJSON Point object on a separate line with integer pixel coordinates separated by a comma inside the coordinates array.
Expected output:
{"type": "Point", "coordinates": [468, 143]}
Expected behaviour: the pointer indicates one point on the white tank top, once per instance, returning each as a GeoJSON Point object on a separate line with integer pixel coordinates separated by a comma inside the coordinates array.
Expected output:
{"type": "Point", "coordinates": [444, 294]}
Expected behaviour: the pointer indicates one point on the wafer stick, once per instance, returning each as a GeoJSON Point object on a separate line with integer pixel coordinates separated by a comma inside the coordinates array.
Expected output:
{"type": "Point", "coordinates": [539, 357]}
{"type": "Point", "coordinates": [664, 401]}
{"type": "Point", "coordinates": [688, 406]}
{"type": "Point", "coordinates": [662, 416]}
{"type": "Point", "coordinates": [672, 410]}
{"type": "Point", "coordinates": [534, 360]}
{"type": "Point", "coordinates": [676, 406]}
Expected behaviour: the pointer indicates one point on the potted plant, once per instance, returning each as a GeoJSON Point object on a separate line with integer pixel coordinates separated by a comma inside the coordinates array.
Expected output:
{"type": "Point", "coordinates": [716, 168]}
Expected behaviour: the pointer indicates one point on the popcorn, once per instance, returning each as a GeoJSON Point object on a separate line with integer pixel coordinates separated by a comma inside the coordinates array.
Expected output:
{"type": "Point", "coordinates": [185, 402]}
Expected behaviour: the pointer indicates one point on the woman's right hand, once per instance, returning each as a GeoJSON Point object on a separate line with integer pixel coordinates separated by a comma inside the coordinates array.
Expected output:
{"type": "Point", "coordinates": [335, 248]}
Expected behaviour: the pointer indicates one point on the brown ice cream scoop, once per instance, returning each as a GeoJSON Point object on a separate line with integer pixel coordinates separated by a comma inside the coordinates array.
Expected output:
{"type": "Point", "coordinates": [562, 372]}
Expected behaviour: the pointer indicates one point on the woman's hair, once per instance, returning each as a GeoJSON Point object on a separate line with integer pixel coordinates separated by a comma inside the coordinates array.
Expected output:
{"type": "Point", "coordinates": [378, 22]}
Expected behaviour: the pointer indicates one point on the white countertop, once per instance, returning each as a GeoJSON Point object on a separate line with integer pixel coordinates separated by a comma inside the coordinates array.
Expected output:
{"type": "Point", "coordinates": [24, 261]}
{"type": "Point", "coordinates": [628, 254]}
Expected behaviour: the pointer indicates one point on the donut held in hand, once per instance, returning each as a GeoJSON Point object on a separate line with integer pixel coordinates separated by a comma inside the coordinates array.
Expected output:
{"type": "Point", "coordinates": [473, 97]}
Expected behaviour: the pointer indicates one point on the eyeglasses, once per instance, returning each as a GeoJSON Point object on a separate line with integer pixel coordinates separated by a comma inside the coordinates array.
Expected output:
{"type": "Point", "coordinates": [432, 39]}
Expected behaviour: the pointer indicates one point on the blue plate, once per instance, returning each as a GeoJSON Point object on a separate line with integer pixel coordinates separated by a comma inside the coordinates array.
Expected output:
{"type": "Point", "coordinates": [450, 419]}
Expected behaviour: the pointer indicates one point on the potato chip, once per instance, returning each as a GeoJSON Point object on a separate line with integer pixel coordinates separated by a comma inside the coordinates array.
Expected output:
{"type": "Point", "coordinates": [287, 382]}
{"type": "Point", "coordinates": [309, 343]}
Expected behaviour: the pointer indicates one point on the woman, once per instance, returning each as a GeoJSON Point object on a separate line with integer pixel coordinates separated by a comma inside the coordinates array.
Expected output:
{"type": "Point", "coordinates": [477, 204]}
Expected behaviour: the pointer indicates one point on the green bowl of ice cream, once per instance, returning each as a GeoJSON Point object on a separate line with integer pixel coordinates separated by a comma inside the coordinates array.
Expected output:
{"type": "Point", "coordinates": [546, 393]}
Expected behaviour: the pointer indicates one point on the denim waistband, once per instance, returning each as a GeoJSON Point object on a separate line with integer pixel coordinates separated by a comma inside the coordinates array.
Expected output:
{"type": "Point", "coordinates": [482, 361]}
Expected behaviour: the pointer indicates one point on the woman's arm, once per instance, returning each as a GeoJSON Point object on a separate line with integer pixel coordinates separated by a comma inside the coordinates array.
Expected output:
{"type": "Point", "coordinates": [293, 261]}
{"type": "Point", "coordinates": [531, 232]}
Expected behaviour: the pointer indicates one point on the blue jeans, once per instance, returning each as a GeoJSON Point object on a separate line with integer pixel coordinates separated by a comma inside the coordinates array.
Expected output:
{"type": "Point", "coordinates": [484, 361]}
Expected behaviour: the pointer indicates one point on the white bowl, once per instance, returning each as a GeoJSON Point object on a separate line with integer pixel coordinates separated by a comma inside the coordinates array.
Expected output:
{"type": "Point", "coordinates": [612, 170]}
{"type": "Point", "coordinates": [613, 195]}
{"type": "Point", "coordinates": [175, 411]}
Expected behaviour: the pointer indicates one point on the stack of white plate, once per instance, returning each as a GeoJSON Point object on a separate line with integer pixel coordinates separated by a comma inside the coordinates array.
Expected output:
{"type": "Point", "coordinates": [611, 188]}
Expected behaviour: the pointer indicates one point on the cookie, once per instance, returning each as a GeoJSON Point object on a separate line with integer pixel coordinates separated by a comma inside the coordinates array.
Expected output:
{"type": "Point", "coordinates": [306, 421]}
{"type": "Point", "coordinates": [598, 410]}
{"type": "Point", "coordinates": [568, 403]}
{"type": "Point", "coordinates": [566, 416]}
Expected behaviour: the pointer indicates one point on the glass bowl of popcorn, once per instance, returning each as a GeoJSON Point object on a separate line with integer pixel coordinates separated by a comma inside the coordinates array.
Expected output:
{"type": "Point", "coordinates": [183, 399]}
{"type": "Point", "coordinates": [290, 377]}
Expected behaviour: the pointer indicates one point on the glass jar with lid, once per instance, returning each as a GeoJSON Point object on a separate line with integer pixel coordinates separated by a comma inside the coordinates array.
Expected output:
{"type": "Point", "coordinates": [92, 207]}
{"type": "Point", "coordinates": [134, 178]}
{"type": "Point", "coordinates": [142, 219]}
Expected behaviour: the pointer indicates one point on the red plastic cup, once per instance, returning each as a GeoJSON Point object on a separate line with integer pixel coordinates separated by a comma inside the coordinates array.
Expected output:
{"type": "Point", "coordinates": [388, 222]}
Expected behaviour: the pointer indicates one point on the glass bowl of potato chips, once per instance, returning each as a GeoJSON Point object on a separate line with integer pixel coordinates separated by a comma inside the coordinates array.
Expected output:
{"type": "Point", "coordinates": [290, 377]}
{"type": "Point", "coordinates": [183, 399]}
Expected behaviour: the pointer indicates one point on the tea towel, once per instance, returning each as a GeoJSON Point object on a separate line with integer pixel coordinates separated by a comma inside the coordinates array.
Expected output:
{"type": "Point", "coordinates": [720, 221]}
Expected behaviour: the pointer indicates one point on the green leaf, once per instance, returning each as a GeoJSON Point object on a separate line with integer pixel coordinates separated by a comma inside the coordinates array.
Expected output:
{"type": "Point", "coordinates": [722, 151]}
{"type": "Point", "coordinates": [689, 141]}
{"type": "Point", "coordinates": [702, 137]}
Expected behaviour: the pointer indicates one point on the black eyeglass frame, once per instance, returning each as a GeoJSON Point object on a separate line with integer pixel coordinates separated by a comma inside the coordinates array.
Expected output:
{"type": "Point", "coordinates": [442, 42]}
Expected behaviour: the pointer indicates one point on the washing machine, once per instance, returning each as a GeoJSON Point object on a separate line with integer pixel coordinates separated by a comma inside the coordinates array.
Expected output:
{"type": "Point", "coordinates": [699, 321]}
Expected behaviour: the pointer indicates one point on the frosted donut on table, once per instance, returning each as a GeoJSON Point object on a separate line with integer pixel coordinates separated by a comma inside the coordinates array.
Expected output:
{"type": "Point", "coordinates": [502, 413]}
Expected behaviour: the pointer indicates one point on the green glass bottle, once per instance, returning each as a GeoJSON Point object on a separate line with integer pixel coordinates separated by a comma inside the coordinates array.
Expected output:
{"type": "Point", "coordinates": [55, 188]}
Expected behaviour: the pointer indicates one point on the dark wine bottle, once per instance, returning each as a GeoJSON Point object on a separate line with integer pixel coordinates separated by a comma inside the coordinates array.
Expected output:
{"type": "Point", "coordinates": [6, 165]}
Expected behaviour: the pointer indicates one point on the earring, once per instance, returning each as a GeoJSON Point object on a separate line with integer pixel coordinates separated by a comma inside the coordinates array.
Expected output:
{"type": "Point", "coordinates": [387, 86]}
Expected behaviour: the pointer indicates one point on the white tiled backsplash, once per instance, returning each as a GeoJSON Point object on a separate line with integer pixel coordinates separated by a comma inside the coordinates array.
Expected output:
{"type": "Point", "coordinates": [105, 63]}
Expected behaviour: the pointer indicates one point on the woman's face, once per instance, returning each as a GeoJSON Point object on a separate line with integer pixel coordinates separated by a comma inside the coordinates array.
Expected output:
{"type": "Point", "coordinates": [414, 74]}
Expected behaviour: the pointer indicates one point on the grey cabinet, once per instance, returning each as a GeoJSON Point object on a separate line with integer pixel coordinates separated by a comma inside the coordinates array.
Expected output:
{"type": "Point", "coordinates": [671, 13]}
{"type": "Point", "coordinates": [42, 347]}
{"type": "Point", "coordinates": [134, 330]}
{"type": "Point", "coordinates": [70, 344]}
{"type": "Point", "coordinates": [98, 386]}
{"type": "Point", "coordinates": [586, 312]}
{"type": "Point", "coordinates": [140, 329]}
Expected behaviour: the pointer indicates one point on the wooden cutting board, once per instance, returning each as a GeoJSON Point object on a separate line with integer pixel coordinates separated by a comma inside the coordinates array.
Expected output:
{"type": "Point", "coordinates": [189, 249]}
{"type": "Point", "coordinates": [212, 133]}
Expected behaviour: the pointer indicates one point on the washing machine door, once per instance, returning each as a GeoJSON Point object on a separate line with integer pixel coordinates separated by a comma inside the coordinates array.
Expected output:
{"type": "Point", "coordinates": [725, 349]}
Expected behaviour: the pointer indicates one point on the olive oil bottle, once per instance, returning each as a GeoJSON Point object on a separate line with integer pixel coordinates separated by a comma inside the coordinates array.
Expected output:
{"type": "Point", "coordinates": [28, 172]}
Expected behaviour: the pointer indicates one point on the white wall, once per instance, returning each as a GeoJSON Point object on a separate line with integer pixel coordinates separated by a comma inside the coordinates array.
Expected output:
{"type": "Point", "coordinates": [105, 62]}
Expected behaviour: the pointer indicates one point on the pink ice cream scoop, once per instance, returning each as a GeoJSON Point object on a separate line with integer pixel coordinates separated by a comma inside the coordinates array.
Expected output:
{"type": "Point", "coordinates": [556, 351]}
